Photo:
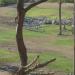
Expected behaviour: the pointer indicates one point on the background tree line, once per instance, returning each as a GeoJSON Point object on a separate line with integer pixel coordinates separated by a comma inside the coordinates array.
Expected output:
{"type": "Point", "coordinates": [6, 2]}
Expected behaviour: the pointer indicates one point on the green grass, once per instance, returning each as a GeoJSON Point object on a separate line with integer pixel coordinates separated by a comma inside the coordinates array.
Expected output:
{"type": "Point", "coordinates": [8, 35]}
{"type": "Point", "coordinates": [9, 12]}
{"type": "Point", "coordinates": [62, 63]}
{"type": "Point", "coordinates": [49, 12]}
{"type": "Point", "coordinates": [63, 42]}
{"type": "Point", "coordinates": [8, 56]}
{"type": "Point", "coordinates": [43, 12]}
{"type": "Point", "coordinates": [52, 12]}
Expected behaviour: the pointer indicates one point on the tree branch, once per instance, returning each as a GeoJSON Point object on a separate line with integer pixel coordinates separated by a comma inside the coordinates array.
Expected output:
{"type": "Point", "coordinates": [34, 4]}
{"type": "Point", "coordinates": [20, 5]}
{"type": "Point", "coordinates": [33, 62]}
{"type": "Point", "coordinates": [40, 65]}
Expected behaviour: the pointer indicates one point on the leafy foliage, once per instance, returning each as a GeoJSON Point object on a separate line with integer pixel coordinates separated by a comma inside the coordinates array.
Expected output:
{"type": "Point", "coordinates": [6, 2]}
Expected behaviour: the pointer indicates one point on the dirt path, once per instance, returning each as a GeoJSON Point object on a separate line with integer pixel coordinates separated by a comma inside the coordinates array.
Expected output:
{"type": "Point", "coordinates": [5, 73]}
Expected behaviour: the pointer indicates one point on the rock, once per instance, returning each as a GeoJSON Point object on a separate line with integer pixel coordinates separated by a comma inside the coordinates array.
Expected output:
{"type": "Point", "coordinates": [38, 21]}
{"type": "Point", "coordinates": [63, 22]}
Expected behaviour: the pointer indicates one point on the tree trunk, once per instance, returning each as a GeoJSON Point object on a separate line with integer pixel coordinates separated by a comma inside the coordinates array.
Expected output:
{"type": "Point", "coordinates": [19, 34]}
{"type": "Point", "coordinates": [60, 32]}
{"type": "Point", "coordinates": [20, 42]}
{"type": "Point", "coordinates": [19, 37]}
{"type": "Point", "coordinates": [74, 25]}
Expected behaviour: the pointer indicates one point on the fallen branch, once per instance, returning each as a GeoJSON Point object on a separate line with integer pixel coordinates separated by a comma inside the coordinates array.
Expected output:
{"type": "Point", "coordinates": [42, 73]}
{"type": "Point", "coordinates": [40, 65]}
{"type": "Point", "coordinates": [32, 63]}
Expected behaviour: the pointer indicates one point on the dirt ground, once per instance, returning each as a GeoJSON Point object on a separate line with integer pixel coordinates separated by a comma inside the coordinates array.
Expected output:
{"type": "Point", "coordinates": [4, 73]}
{"type": "Point", "coordinates": [55, 5]}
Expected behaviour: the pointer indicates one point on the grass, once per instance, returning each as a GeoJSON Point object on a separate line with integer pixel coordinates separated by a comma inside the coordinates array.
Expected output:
{"type": "Point", "coordinates": [53, 31]}
{"type": "Point", "coordinates": [8, 56]}
{"type": "Point", "coordinates": [46, 12]}
{"type": "Point", "coordinates": [8, 36]}
{"type": "Point", "coordinates": [9, 12]}
{"type": "Point", "coordinates": [64, 42]}
{"type": "Point", "coordinates": [49, 12]}
{"type": "Point", "coordinates": [61, 63]}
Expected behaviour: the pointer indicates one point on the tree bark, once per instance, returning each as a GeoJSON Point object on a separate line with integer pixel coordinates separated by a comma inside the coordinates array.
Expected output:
{"type": "Point", "coordinates": [19, 34]}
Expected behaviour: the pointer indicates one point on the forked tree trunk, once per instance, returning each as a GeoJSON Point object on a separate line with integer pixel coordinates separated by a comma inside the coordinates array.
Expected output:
{"type": "Point", "coordinates": [19, 34]}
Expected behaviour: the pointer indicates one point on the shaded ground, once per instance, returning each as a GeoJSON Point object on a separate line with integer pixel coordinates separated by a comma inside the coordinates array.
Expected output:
{"type": "Point", "coordinates": [57, 73]}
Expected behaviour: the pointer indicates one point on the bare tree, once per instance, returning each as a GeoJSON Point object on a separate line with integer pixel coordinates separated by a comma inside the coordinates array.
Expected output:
{"type": "Point", "coordinates": [21, 12]}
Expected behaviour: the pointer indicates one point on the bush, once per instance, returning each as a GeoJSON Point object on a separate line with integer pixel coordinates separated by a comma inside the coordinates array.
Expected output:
{"type": "Point", "coordinates": [6, 2]}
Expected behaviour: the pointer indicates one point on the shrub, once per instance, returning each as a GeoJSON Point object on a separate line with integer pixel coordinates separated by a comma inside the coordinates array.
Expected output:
{"type": "Point", "coordinates": [6, 2]}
